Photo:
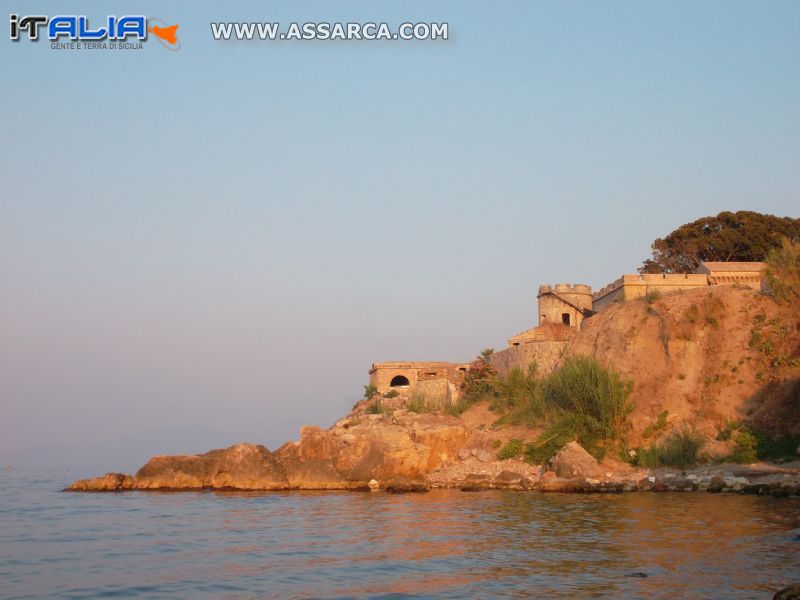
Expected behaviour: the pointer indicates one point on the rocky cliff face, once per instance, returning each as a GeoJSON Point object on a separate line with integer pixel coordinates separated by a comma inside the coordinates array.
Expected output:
{"type": "Point", "coordinates": [705, 356]}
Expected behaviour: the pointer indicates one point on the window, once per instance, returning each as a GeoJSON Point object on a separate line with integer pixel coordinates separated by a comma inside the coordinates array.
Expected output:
{"type": "Point", "coordinates": [399, 381]}
{"type": "Point", "coordinates": [565, 318]}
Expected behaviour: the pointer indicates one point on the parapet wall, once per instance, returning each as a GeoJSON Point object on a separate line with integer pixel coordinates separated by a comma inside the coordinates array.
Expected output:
{"type": "Point", "coordinates": [629, 287]}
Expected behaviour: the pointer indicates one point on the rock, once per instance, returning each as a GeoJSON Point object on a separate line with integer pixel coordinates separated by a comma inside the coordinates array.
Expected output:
{"type": "Point", "coordinates": [717, 484]}
{"type": "Point", "coordinates": [484, 456]}
{"type": "Point", "coordinates": [464, 454]}
{"type": "Point", "coordinates": [110, 482]}
{"type": "Point", "coordinates": [791, 592]}
{"type": "Point", "coordinates": [680, 484]}
{"type": "Point", "coordinates": [308, 465]}
{"type": "Point", "coordinates": [243, 466]}
{"type": "Point", "coordinates": [509, 480]}
{"type": "Point", "coordinates": [652, 484]}
{"type": "Point", "coordinates": [572, 461]}
{"type": "Point", "coordinates": [373, 485]}
{"type": "Point", "coordinates": [476, 482]}
{"type": "Point", "coordinates": [404, 485]}
{"type": "Point", "coordinates": [563, 485]}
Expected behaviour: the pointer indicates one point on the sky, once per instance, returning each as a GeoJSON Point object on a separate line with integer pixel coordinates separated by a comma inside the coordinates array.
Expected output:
{"type": "Point", "coordinates": [211, 246]}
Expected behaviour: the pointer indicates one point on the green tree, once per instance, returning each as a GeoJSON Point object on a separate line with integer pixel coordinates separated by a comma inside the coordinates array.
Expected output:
{"type": "Point", "coordinates": [729, 236]}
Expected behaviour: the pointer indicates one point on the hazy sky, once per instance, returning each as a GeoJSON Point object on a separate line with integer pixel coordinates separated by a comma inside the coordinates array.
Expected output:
{"type": "Point", "coordinates": [213, 245]}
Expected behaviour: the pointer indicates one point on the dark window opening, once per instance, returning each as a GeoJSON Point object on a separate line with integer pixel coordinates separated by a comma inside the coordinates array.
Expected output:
{"type": "Point", "coordinates": [398, 381]}
{"type": "Point", "coordinates": [565, 318]}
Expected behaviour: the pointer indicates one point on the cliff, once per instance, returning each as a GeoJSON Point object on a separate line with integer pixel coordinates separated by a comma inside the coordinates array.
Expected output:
{"type": "Point", "coordinates": [708, 357]}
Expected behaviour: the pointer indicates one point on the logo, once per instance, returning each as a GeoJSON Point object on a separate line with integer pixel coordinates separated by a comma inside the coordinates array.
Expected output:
{"type": "Point", "coordinates": [75, 31]}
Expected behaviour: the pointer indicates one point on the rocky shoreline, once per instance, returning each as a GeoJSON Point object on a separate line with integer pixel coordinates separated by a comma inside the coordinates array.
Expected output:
{"type": "Point", "coordinates": [250, 467]}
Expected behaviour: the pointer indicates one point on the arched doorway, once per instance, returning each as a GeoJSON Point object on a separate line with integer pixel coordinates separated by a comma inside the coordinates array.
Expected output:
{"type": "Point", "coordinates": [399, 381]}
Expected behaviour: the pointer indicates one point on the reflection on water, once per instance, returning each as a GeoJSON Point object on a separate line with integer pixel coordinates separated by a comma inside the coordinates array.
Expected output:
{"type": "Point", "coordinates": [444, 543]}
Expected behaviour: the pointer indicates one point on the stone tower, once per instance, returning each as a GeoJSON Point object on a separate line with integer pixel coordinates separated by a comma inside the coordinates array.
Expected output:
{"type": "Point", "coordinates": [564, 303]}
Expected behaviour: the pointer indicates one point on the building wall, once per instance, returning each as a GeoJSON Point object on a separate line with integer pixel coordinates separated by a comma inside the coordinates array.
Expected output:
{"type": "Point", "coordinates": [747, 274]}
{"type": "Point", "coordinates": [381, 374]}
{"type": "Point", "coordinates": [545, 354]}
{"type": "Point", "coordinates": [630, 287]}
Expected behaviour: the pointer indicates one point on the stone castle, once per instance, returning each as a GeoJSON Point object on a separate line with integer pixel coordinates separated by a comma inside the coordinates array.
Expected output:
{"type": "Point", "coordinates": [562, 309]}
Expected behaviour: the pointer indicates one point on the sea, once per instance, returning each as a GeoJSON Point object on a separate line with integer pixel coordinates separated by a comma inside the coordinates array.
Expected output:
{"type": "Point", "coordinates": [441, 544]}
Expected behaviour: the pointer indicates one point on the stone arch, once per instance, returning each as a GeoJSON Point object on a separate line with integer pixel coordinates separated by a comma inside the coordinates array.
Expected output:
{"type": "Point", "coordinates": [399, 381]}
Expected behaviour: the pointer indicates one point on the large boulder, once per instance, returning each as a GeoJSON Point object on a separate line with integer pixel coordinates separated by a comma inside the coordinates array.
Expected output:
{"type": "Point", "coordinates": [381, 453]}
{"type": "Point", "coordinates": [243, 466]}
{"type": "Point", "coordinates": [308, 465]}
{"type": "Point", "coordinates": [573, 462]}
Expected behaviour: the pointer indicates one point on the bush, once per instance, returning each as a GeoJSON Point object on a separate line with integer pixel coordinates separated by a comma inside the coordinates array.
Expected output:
{"type": "Point", "coordinates": [651, 297]}
{"type": "Point", "coordinates": [519, 394]}
{"type": "Point", "coordinates": [376, 408]}
{"type": "Point", "coordinates": [512, 449]}
{"type": "Point", "coordinates": [783, 271]}
{"type": "Point", "coordinates": [391, 394]}
{"type": "Point", "coordinates": [658, 426]}
{"type": "Point", "coordinates": [478, 381]}
{"type": "Point", "coordinates": [678, 450]}
{"type": "Point", "coordinates": [370, 391]}
{"type": "Point", "coordinates": [746, 450]}
{"type": "Point", "coordinates": [418, 404]}
{"type": "Point", "coordinates": [595, 398]}
{"type": "Point", "coordinates": [548, 443]}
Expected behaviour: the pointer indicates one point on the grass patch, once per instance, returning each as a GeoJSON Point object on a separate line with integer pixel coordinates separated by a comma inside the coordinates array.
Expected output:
{"type": "Point", "coordinates": [376, 408]}
{"type": "Point", "coordinates": [651, 297]}
{"type": "Point", "coordinates": [512, 449]}
{"type": "Point", "coordinates": [679, 449]}
{"type": "Point", "coordinates": [658, 426]}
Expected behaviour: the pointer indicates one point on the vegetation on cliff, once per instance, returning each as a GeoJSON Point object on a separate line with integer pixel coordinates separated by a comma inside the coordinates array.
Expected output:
{"type": "Point", "coordinates": [581, 401]}
{"type": "Point", "coordinates": [729, 236]}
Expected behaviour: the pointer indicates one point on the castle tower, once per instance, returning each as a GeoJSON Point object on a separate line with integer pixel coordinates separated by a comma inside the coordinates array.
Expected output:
{"type": "Point", "coordinates": [564, 303]}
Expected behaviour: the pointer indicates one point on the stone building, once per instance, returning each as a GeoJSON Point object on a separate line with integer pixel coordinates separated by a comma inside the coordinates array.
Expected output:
{"type": "Point", "coordinates": [405, 376]}
{"type": "Point", "coordinates": [564, 303]}
{"type": "Point", "coordinates": [562, 308]}
{"type": "Point", "coordinates": [750, 274]}
{"type": "Point", "coordinates": [630, 287]}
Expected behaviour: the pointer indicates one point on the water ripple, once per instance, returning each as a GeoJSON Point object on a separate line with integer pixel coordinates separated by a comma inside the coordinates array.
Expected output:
{"type": "Point", "coordinates": [345, 544]}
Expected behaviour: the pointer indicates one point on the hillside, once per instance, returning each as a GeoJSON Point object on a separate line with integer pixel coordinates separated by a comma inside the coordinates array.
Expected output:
{"type": "Point", "coordinates": [709, 357]}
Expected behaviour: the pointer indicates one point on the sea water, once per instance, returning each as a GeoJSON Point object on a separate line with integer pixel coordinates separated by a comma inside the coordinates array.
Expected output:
{"type": "Point", "coordinates": [372, 544]}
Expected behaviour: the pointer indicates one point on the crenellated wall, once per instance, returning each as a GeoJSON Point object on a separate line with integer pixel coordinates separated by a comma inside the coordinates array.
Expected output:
{"type": "Point", "coordinates": [630, 287]}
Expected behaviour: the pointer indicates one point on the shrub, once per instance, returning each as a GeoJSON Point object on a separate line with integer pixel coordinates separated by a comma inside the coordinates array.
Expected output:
{"type": "Point", "coordinates": [376, 408]}
{"type": "Point", "coordinates": [520, 394]}
{"type": "Point", "coordinates": [418, 404]}
{"type": "Point", "coordinates": [746, 450]}
{"type": "Point", "coordinates": [478, 381]}
{"type": "Point", "coordinates": [651, 297]}
{"type": "Point", "coordinates": [658, 426]}
{"type": "Point", "coordinates": [595, 398]}
{"type": "Point", "coordinates": [512, 449]}
{"type": "Point", "coordinates": [783, 271]}
{"type": "Point", "coordinates": [391, 394]}
{"type": "Point", "coordinates": [370, 391]}
{"type": "Point", "coordinates": [548, 443]}
{"type": "Point", "coordinates": [678, 450]}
